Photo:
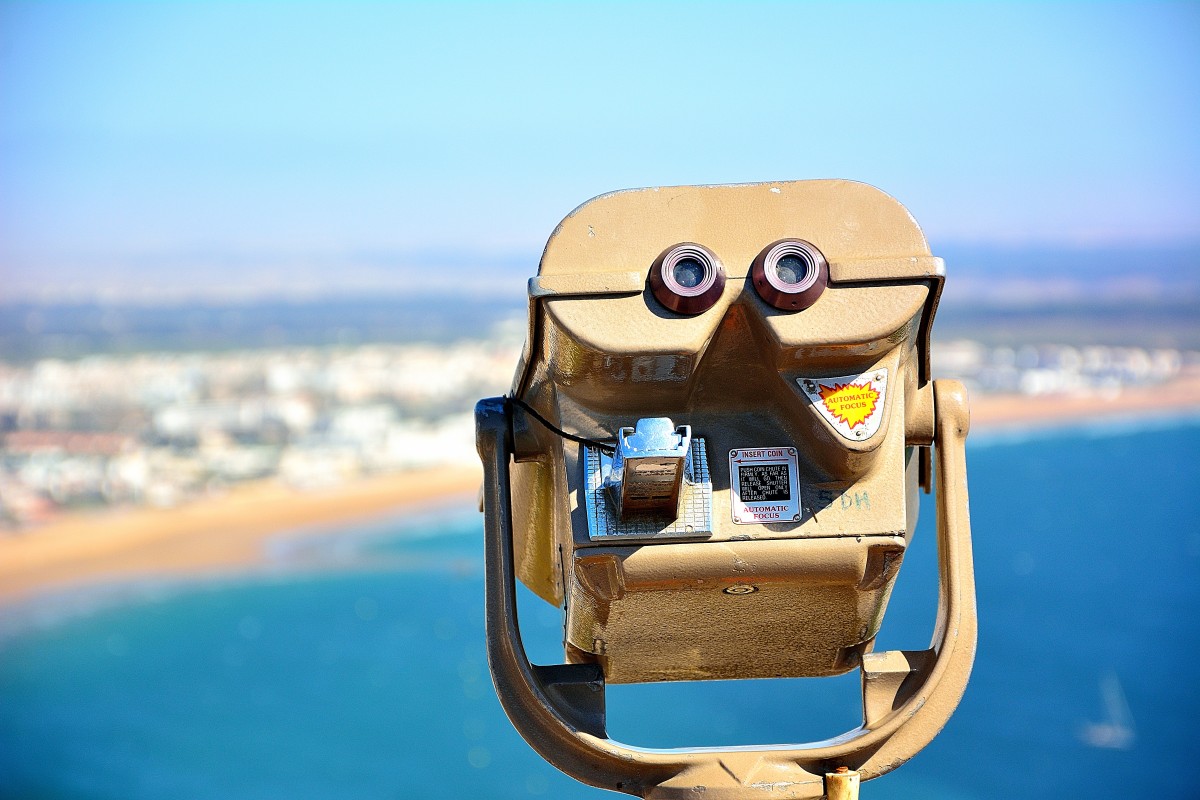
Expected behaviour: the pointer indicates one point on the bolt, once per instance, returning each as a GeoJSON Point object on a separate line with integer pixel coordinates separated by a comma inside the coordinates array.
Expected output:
{"type": "Point", "coordinates": [740, 589]}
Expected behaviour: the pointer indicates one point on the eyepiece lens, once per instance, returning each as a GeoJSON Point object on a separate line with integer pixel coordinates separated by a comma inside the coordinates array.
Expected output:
{"type": "Point", "coordinates": [790, 274]}
{"type": "Point", "coordinates": [792, 269]}
{"type": "Point", "coordinates": [687, 278]}
{"type": "Point", "coordinates": [688, 273]}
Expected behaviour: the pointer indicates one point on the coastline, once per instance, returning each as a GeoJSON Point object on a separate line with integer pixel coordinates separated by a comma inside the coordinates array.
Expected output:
{"type": "Point", "coordinates": [991, 412]}
{"type": "Point", "coordinates": [233, 531]}
{"type": "Point", "coordinates": [213, 535]}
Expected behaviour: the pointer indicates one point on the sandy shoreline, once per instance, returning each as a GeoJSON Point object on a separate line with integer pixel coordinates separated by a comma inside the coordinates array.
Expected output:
{"type": "Point", "coordinates": [210, 535]}
{"type": "Point", "coordinates": [1005, 411]}
{"type": "Point", "coordinates": [232, 531]}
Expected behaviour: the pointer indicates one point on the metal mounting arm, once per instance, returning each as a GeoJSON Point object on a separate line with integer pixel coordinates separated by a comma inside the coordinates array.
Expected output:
{"type": "Point", "coordinates": [907, 695]}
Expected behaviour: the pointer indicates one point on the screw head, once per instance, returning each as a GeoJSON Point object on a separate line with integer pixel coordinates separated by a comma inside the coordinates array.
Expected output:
{"type": "Point", "coordinates": [740, 589]}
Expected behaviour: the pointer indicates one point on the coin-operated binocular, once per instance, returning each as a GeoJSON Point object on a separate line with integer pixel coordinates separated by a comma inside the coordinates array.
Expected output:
{"type": "Point", "coordinates": [711, 458]}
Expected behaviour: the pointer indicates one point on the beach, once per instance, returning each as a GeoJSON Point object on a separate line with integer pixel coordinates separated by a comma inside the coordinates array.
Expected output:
{"type": "Point", "coordinates": [219, 534]}
{"type": "Point", "coordinates": [1163, 400]}
{"type": "Point", "coordinates": [230, 532]}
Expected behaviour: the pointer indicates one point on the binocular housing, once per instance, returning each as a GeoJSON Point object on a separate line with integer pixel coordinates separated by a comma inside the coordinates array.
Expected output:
{"type": "Point", "coordinates": [714, 444]}
{"type": "Point", "coordinates": [775, 554]}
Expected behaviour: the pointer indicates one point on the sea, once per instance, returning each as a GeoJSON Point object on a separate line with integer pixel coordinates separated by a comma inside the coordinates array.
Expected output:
{"type": "Point", "coordinates": [366, 676]}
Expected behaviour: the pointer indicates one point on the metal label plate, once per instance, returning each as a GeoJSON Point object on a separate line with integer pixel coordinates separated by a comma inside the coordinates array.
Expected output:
{"type": "Point", "coordinates": [764, 485]}
{"type": "Point", "coordinates": [695, 502]}
{"type": "Point", "coordinates": [852, 404]}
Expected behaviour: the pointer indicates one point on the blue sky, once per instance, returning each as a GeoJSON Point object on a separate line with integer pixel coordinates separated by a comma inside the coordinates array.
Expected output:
{"type": "Point", "coordinates": [142, 141]}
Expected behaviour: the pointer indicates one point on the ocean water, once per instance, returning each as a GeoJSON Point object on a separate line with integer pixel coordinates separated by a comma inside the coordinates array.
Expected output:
{"type": "Point", "coordinates": [367, 679]}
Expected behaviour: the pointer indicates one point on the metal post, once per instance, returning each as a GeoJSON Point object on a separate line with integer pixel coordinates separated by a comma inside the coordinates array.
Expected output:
{"type": "Point", "coordinates": [841, 784]}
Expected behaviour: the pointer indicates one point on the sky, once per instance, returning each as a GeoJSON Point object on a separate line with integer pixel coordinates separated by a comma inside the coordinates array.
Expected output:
{"type": "Point", "coordinates": [184, 144]}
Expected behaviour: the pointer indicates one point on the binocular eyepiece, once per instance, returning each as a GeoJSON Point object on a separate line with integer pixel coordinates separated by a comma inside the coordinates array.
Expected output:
{"type": "Point", "coordinates": [789, 275]}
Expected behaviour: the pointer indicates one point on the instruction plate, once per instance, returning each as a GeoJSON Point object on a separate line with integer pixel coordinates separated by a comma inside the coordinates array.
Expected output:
{"type": "Point", "coordinates": [764, 485]}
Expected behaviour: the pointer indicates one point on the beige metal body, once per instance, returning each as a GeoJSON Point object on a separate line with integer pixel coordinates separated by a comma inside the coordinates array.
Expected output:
{"type": "Point", "coordinates": [797, 596]}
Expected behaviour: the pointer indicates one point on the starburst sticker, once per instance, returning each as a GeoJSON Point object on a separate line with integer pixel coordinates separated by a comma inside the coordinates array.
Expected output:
{"type": "Point", "coordinates": [852, 404]}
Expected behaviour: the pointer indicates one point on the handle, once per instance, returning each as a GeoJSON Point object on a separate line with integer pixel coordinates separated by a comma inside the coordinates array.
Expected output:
{"type": "Point", "coordinates": [907, 696]}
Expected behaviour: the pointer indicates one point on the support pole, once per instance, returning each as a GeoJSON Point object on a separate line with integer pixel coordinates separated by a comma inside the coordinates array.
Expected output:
{"type": "Point", "coordinates": [841, 784]}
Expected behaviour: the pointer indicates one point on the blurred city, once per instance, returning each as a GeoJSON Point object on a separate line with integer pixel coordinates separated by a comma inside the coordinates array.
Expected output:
{"type": "Point", "coordinates": [161, 429]}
